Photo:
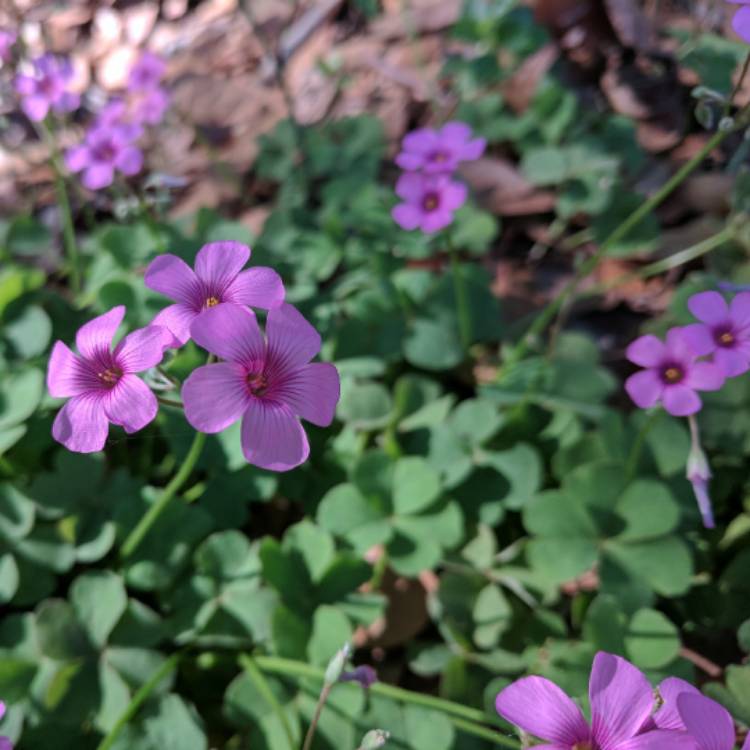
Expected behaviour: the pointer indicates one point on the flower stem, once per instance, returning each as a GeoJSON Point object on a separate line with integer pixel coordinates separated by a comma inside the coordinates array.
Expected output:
{"type": "Point", "coordinates": [633, 220]}
{"type": "Point", "coordinates": [324, 693]}
{"type": "Point", "coordinates": [463, 311]}
{"type": "Point", "coordinates": [464, 718]}
{"type": "Point", "coordinates": [635, 451]}
{"type": "Point", "coordinates": [69, 236]}
{"type": "Point", "coordinates": [251, 670]}
{"type": "Point", "coordinates": [138, 699]}
{"type": "Point", "coordinates": [170, 491]}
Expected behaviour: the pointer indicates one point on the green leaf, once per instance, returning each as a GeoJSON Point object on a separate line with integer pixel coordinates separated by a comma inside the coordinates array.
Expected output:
{"type": "Point", "coordinates": [651, 640]}
{"type": "Point", "coordinates": [60, 634]}
{"type": "Point", "coordinates": [99, 601]}
{"type": "Point", "coordinates": [415, 485]}
{"type": "Point", "coordinates": [648, 509]}
{"type": "Point", "coordinates": [174, 726]}
{"type": "Point", "coordinates": [433, 344]}
{"type": "Point", "coordinates": [426, 728]}
{"type": "Point", "coordinates": [492, 616]}
{"type": "Point", "coordinates": [29, 332]}
{"type": "Point", "coordinates": [331, 629]}
{"type": "Point", "coordinates": [345, 512]}
{"type": "Point", "coordinates": [19, 396]}
{"type": "Point", "coordinates": [364, 405]}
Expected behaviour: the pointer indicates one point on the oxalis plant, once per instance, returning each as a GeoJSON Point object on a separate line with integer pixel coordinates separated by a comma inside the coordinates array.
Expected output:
{"type": "Point", "coordinates": [232, 472]}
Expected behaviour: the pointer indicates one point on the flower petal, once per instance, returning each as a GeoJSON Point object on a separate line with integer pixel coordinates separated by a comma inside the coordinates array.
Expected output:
{"type": "Point", "coordinates": [739, 310]}
{"type": "Point", "coordinates": [705, 376]}
{"type": "Point", "coordinates": [699, 339]}
{"type": "Point", "coordinates": [645, 388]}
{"type": "Point", "coordinates": [668, 717]}
{"type": "Point", "coordinates": [411, 187]}
{"type": "Point", "coordinates": [741, 23]}
{"type": "Point", "coordinates": [81, 425]}
{"type": "Point", "coordinates": [473, 149]}
{"type": "Point", "coordinates": [455, 133]}
{"type": "Point", "coordinates": [217, 263]}
{"type": "Point", "coordinates": [142, 349]}
{"type": "Point", "coordinates": [708, 722]}
{"type": "Point", "coordinates": [621, 700]}
{"type": "Point", "coordinates": [177, 319]}
{"type": "Point", "coordinates": [312, 392]}
{"type": "Point", "coordinates": [272, 437]}
{"type": "Point", "coordinates": [131, 404]}
{"type": "Point", "coordinates": [677, 345]}
{"type": "Point", "coordinates": [292, 341]}
{"type": "Point", "coordinates": [453, 195]}
{"type": "Point", "coordinates": [35, 107]}
{"type": "Point", "coordinates": [659, 740]}
{"type": "Point", "coordinates": [96, 335]}
{"type": "Point", "coordinates": [215, 396]}
{"type": "Point", "coordinates": [98, 175]}
{"type": "Point", "coordinates": [257, 287]}
{"type": "Point", "coordinates": [172, 277]}
{"type": "Point", "coordinates": [409, 161]}
{"type": "Point", "coordinates": [130, 160]}
{"type": "Point", "coordinates": [67, 374]}
{"type": "Point", "coordinates": [421, 141]}
{"type": "Point", "coordinates": [541, 708]}
{"type": "Point", "coordinates": [646, 351]}
{"type": "Point", "coordinates": [436, 220]}
{"type": "Point", "coordinates": [230, 332]}
{"type": "Point", "coordinates": [407, 216]}
{"type": "Point", "coordinates": [680, 401]}
{"type": "Point", "coordinates": [731, 362]}
{"type": "Point", "coordinates": [709, 307]}
{"type": "Point", "coordinates": [77, 158]}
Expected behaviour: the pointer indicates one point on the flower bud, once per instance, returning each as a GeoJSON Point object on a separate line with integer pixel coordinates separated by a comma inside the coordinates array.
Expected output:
{"type": "Point", "coordinates": [699, 474]}
{"type": "Point", "coordinates": [374, 739]}
{"type": "Point", "coordinates": [336, 665]}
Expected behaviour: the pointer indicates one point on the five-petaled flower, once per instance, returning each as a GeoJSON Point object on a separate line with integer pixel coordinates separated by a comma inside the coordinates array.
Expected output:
{"type": "Point", "coordinates": [218, 279]}
{"type": "Point", "coordinates": [621, 703]}
{"type": "Point", "coordinates": [101, 384]}
{"type": "Point", "coordinates": [47, 87]}
{"type": "Point", "coordinates": [268, 382]}
{"type": "Point", "coordinates": [724, 330]}
{"type": "Point", "coordinates": [429, 201]}
{"type": "Point", "coordinates": [439, 151]}
{"type": "Point", "coordinates": [672, 374]}
{"type": "Point", "coordinates": [146, 72]}
{"type": "Point", "coordinates": [106, 149]}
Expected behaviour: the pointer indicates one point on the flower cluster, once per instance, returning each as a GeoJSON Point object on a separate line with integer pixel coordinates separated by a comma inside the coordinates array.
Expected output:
{"type": "Point", "coordinates": [46, 87]}
{"type": "Point", "coordinates": [624, 713]}
{"type": "Point", "coordinates": [429, 158]}
{"type": "Point", "coordinates": [267, 381]}
{"type": "Point", "coordinates": [109, 145]}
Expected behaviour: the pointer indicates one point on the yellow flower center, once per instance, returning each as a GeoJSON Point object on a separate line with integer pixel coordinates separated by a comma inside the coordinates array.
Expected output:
{"type": "Point", "coordinates": [726, 338]}
{"type": "Point", "coordinates": [211, 302]}
{"type": "Point", "coordinates": [673, 374]}
{"type": "Point", "coordinates": [110, 376]}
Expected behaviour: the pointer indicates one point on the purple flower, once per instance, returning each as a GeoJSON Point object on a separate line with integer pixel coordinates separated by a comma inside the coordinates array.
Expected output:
{"type": "Point", "coordinates": [146, 73]}
{"type": "Point", "coordinates": [101, 383]}
{"type": "Point", "coordinates": [672, 374]}
{"type": "Point", "coordinates": [429, 202]}
{"type": "Point", "coordinates": [47, 88]}
{"type": "Point", "coordinates": [621, 702]}
{"type": "Point", "coordinates": [104, 150]}
{"type": "Point", "coordinates": [707, 722]}
{"type": "Point", "coordinates": [7, 40]}
{"type": "Point", "coordinates": [218, 279]}
{"type": "Point", "coordinates": [268, 383]}
{"type": "Point", "coordinates": [741, 20]}
{"type": "Point", "coordinates": [667, 716]}
{"type": "Point", "coordinates": [439, 151]}
{"type": "Point", "coordinates": [699, 475]}
{"type": "Point", "coordinates": [724, 330]}
{"type": "Point", "coordinates": [364, 674]}
{"type": "Point", "coordinates": [148, 106]}
{"type": "Point", "coordinates": [5, 743]}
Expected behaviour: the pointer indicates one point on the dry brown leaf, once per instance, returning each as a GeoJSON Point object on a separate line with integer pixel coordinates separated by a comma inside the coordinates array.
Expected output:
{"type": "Point", "coordinates": [520, 88]}
{"type": "Point", "coordinates": [630, 23]}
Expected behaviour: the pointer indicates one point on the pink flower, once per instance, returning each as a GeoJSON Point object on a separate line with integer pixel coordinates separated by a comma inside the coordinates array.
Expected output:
{"type": "Point", "coordinates": [146, 73]}
{"type": "Point", "coordinates": [7, 40]}
{"type": "Point", "coordinates": [218, 279]}
{"type": "Point", "coordinates": [707, 722]}
{"type": "Point", "coordinates": [5, 743]}
{"type": "Point", "coordinates": [429, 201]}
{"type": "Point", "coordinates": [148, 107]}
{"type": "Point", "coordinates": [101, 383]}
{"type": "Point", "coordinates": [741, 20]}
{"type": "Point", "coordinates": [724, 330]}
{"type": "Point", "coordinates": [667, 716]}
{"type": "Point", "coordinates": [439, 151]}
{"type": "Point", "coordinates": [104, 150]}
{"type": "Point", "coordinates": [672, 374]}
{"type": "Point", "coordinates": [621, 702]}
{"type": "Point", "coordinates": [47, 88]}
{"type": "Point", "coordinates": [268, 383]}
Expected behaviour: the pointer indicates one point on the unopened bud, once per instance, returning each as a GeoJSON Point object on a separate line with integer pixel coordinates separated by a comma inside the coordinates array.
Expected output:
{"type": "Point", "coordinates": [699, 474]}
{"type": "Point", "coordinates": [336, 665]}
{"type": "Point", "coordinates": [374, 739]}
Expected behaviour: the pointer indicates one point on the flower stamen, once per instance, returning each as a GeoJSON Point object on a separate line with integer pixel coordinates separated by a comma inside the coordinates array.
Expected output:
{"type": "Point", "coordinates": [211, 302]}
{"type": "Point", "coordinates": [257, 382]}
{"type": "Point", "coordinates": [110, 376]}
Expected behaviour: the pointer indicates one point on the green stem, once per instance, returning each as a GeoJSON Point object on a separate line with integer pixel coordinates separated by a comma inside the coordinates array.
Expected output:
{"type": "Point", "coordinates": [252, 671]}
{"type": "Point", "coordinates": [69, 236]}
{"type": "Point", "coordinates": [635, 451]}
{"type": "Point", "coordinates": [548, 313]}
{"type": "Point", "coordinates": [170, 491]}
{"type": "Point", "coordinates": [290, 667]}
{"type": "Point", "coordinates": [463, 311]}
{"type": "Point", "coordinates": [169, 402]}
{"type": "Point", "coordinates": [138, 699]}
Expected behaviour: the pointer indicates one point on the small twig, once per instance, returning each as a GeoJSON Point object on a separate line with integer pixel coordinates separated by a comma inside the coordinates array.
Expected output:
{"type": "Point", "coordinates": [709, 667]}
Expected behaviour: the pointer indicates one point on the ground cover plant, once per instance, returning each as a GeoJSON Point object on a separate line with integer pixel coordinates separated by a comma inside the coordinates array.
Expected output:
{"type": "Point", "coordinates": [375, 374]}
